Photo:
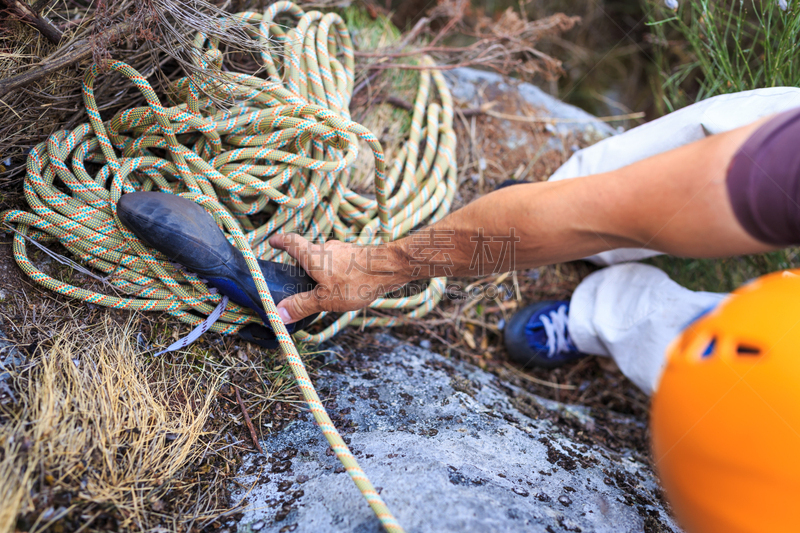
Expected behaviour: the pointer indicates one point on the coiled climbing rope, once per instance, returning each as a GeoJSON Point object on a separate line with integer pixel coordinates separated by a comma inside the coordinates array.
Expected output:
{"type": "Point", "coordinates": [282, 154]}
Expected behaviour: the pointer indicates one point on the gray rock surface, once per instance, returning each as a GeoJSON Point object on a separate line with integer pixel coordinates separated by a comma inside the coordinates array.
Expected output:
{"type": "Point", "coordinates": [449, 450]}
{"type": "Point", "coordinates": [9, 356]}
{"type": "Point", "coordinates": [471, 87]}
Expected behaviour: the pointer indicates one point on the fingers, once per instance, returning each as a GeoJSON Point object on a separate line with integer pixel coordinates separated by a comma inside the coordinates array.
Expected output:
{"type": "Point", "coordinates": [322, 262]}
{"type": "Point", "coordinates": [299, 306]}
{"type": "Point", "coordinates": [298, 246]}
{"type": "Point", "coordinates": [295, 245]}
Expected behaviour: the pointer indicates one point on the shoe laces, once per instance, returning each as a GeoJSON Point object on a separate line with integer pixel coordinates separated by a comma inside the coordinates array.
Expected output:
{"type": "Point", "coordinates": [555, 327]}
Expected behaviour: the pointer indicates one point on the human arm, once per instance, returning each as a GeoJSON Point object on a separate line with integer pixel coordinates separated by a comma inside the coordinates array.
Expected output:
{"type": "Point", "coordinates": [675, 202]}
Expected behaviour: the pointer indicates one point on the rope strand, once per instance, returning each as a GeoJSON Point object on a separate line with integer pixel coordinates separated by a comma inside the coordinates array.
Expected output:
{"type": "Point", "coordinates": [283, 149]}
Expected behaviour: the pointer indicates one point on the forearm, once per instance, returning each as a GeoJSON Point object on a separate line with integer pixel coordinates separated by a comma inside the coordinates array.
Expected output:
{"type": "Point", "coordinates": [675, 202]}
{"type": "Point", "coordinates": [514, 228]}
{"type": "Point", "coordinates": [678, 202]}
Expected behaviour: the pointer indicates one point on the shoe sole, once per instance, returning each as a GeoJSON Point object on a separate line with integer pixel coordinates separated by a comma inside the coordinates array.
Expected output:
{"type": "Point", "coordinates": [186, 233]}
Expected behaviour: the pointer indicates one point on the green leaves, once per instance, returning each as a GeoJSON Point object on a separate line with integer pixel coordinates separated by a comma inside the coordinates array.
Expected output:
{"type": "Point", "coordinates": [711, 47]}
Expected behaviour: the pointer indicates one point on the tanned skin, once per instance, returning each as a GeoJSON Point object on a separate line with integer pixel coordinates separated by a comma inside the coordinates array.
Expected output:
{"type": "Point", "coordinates": [675, 202]}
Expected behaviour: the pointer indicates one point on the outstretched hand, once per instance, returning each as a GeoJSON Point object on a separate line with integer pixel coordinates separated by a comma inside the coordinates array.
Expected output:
{"type": "Point", "coordinates": [349, 277]}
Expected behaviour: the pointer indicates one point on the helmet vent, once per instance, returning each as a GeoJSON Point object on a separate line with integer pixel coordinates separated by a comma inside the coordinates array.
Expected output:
{"type": "Point", "coordinates": [748, 351]}
{"type": "Point", "coordinates": [709, 351]}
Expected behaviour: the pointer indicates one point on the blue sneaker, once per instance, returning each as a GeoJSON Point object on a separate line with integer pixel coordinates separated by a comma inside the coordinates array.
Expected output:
{"type": "Point", "coordinates": [538, 336]}
{"type": "Point", "coordinates": [187, 234]}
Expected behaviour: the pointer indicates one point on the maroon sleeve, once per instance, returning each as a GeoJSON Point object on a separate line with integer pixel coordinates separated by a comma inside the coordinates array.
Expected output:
{"type": "Point", "coordinates": [764, 181]}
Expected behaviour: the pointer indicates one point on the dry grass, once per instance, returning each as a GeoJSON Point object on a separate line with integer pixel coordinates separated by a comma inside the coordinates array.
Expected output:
{"type": "Point", "coordinates": [506, 44]}
{"type": "Point", "coordinates": [95, 428]}
{"type": "Point", "coordinates": [118, 441]}
{"type": "Point", "coordinates": [124, 441]}
{"type": "Point", "coordinates": [157, 46]}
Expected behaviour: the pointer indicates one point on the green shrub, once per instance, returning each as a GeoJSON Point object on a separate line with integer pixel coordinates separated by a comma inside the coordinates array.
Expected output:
{"type": "Point", "coordinates": [710, 47]}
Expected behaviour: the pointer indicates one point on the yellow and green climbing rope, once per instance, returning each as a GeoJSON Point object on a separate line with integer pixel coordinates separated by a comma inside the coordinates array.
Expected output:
{"type": "Point", "coordinates": [283, 148]}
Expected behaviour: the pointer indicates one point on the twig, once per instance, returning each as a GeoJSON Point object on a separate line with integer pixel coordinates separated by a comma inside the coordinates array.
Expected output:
{"type": "Point", "coordinates": [24, 11]}
{"type": "Point", "coordinates": [60, 258]}
{"type": "Point", "coordinates": [424, 50]}
{"type": "Point", "coordinates": [364, 83]}
{"type": "Point", "coordinates": [393, 100]}
{"type": "Point", "coordinates": [505, 306]}
{"type": "Point", "coordinates": [539, 381]}
{"type": "Point", "coordinates": [389, 66]}
{"type": "Point", "coordinates": [87, 523]}
{"type": "Point", "coordinates": [517, 118]}
{"type": "Point", "coordinates": [247, 420]}
{"type": "Point", "coordinates": [485, 109]}
{"type": "Point", "coordinates": [471, 112]}
{"type": "Point", "coordinates": [75, 52]}
{"type": "Point", "coordinates": [447, 27]}
{"type": "Point", "coordinates": [415, 31]}
{"type": "Point", "coordinates": [40, 5]}
{"type": "Point", "coordinates": [402, 44]}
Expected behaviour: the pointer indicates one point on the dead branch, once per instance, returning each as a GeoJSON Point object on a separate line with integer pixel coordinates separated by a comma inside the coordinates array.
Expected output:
{"type": "Point", "coordinates": [486, 109]}
{"type": "Point", "coordinates": [393, 100]}
{"type": "Point", "coordinates": [424, 50]}
{"type": "Point", "coordinates": [457, 12]}
{"type": "Point", "coordinates": [547, 120]}
{"type": "Point", "coordinates": [413, 34]}
{"type": "Point", "coordinates": [538, 381]}
{"type": "Point", "coordinates": [29, 15]}
{"type": "Point", "coordinates": [40, 5]}
{"type": "Point", "coordinates": [392, 66]}
{"type": "Point", "coordinates": [506, 45]}
{"type": "Point", "coordinates": [74, 53]}
{"type": "Point", "coordinates": [247, 420]}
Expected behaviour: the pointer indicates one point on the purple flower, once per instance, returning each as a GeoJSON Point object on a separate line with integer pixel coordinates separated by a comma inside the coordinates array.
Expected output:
{"type": "Point", "coordinates": [673, 4]}
{"type": "Point", "coordinates": [783, 4]}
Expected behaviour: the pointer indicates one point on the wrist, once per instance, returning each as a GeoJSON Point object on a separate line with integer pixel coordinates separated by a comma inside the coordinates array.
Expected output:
{"type": "Point", "coordinates": [396, 262]}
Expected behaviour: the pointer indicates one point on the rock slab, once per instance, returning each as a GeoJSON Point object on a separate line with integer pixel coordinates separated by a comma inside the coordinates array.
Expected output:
{"type": "Point", "coordinates": [10, 357]}
{"type": "Point", "coordinates": [448, 450]}
{"type": "Point", "coordinates": [467, 85]}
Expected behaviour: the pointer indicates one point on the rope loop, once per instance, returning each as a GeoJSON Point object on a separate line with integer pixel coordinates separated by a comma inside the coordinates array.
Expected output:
{"type": "Point", "coordinates": [277, 159]}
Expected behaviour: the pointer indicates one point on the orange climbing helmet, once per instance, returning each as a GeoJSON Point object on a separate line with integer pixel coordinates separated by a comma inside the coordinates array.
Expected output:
{"type": "Point", "coordinates": [726, 416]}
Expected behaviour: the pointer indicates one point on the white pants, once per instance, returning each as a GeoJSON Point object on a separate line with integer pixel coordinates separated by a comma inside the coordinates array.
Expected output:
{"type": "Point", "coordinates": [631, 311]}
